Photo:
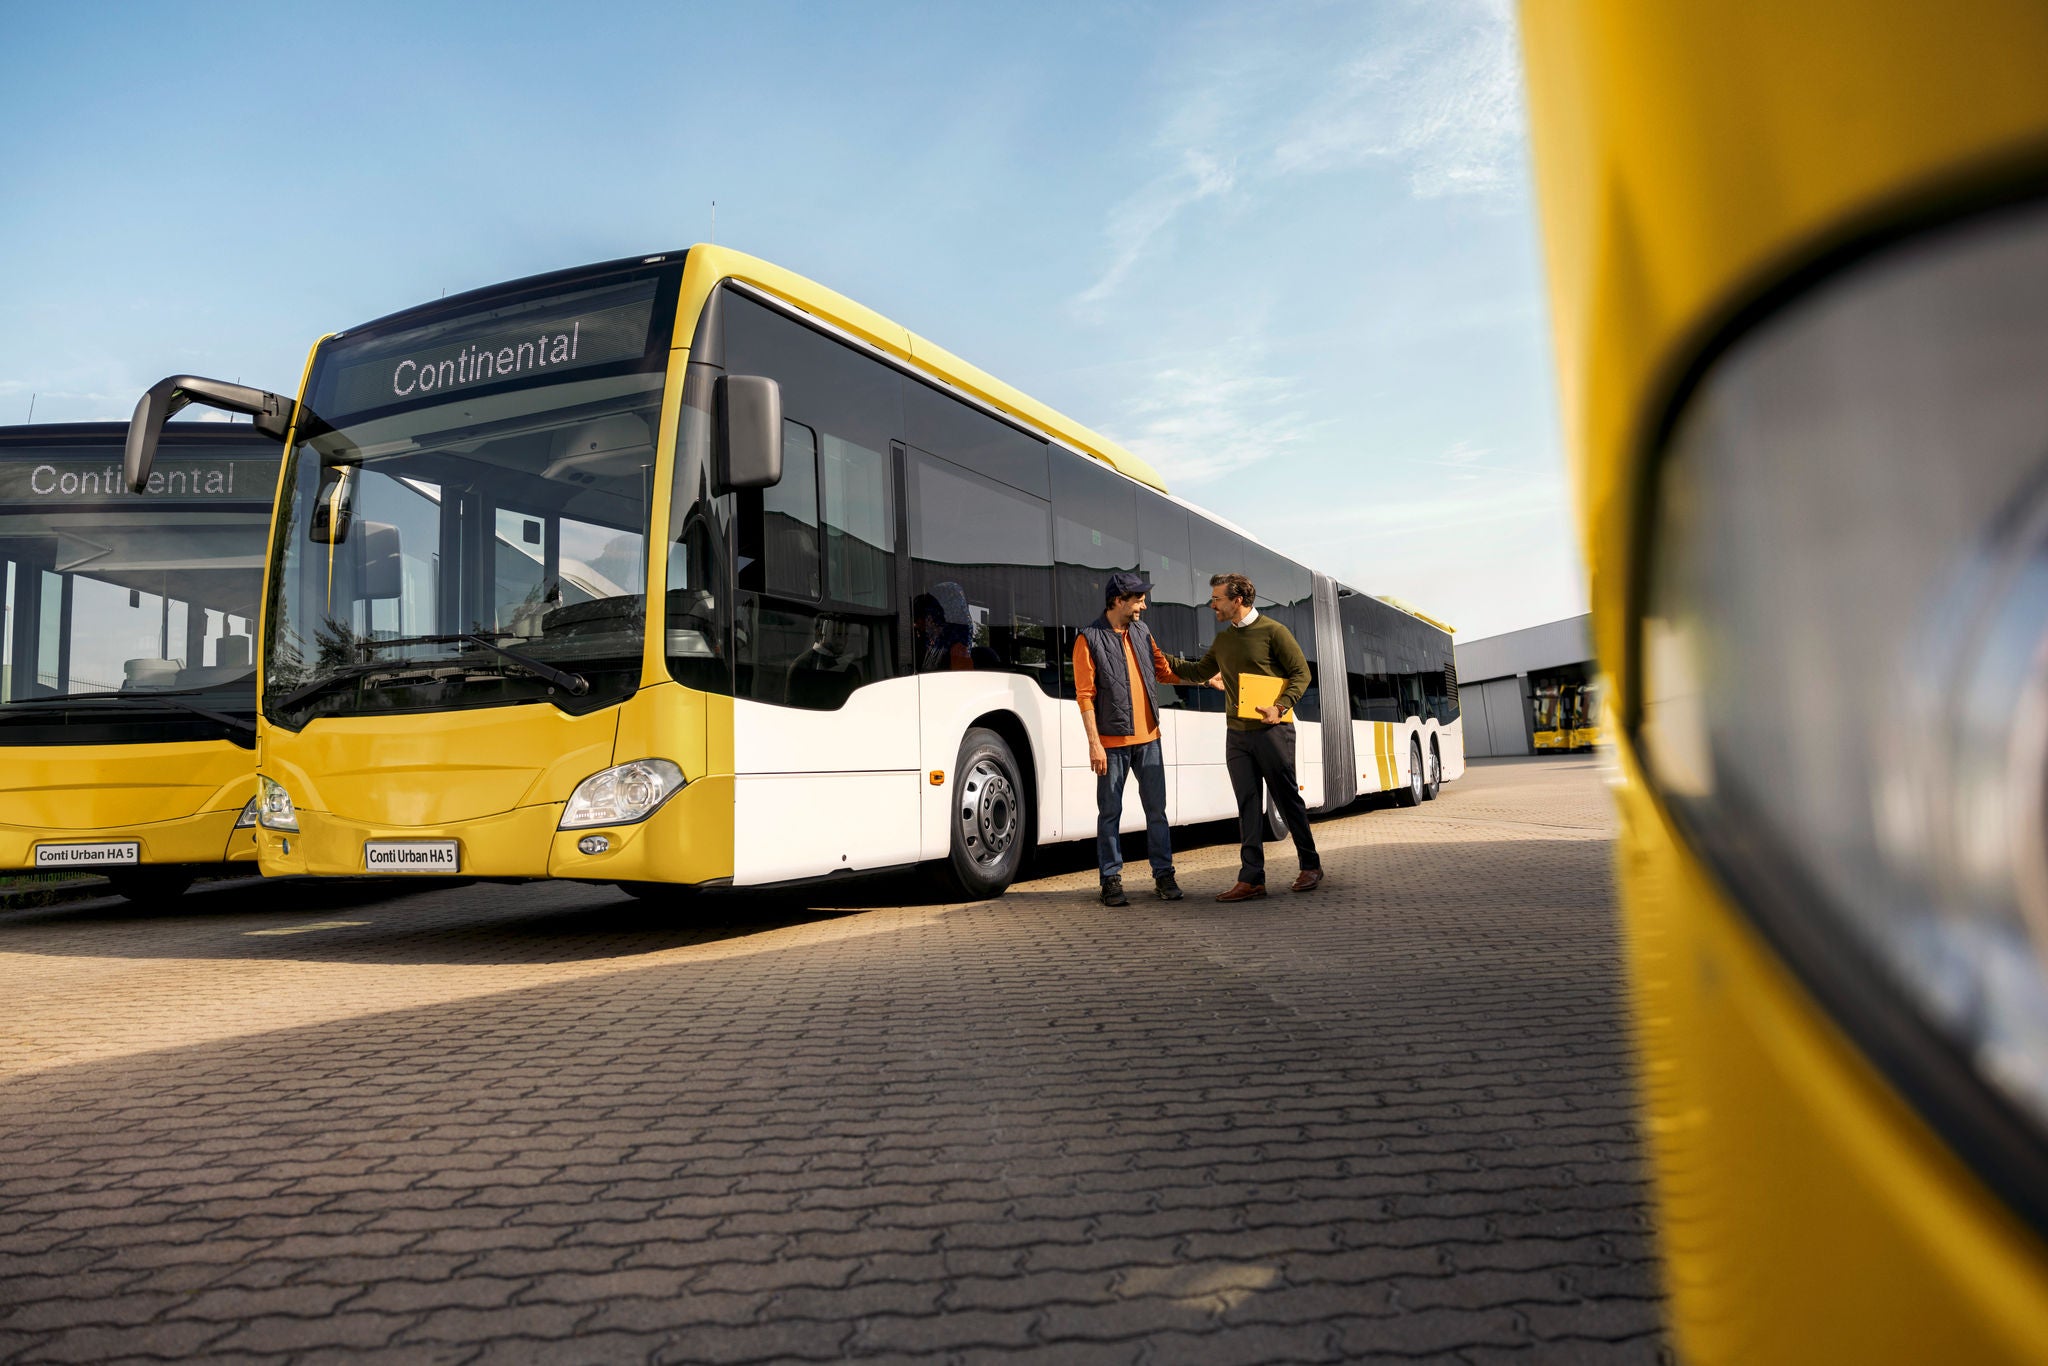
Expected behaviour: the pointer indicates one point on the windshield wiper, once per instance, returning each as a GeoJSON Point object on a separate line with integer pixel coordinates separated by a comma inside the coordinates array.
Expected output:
{"type": "Point", "coordinates": [575, 684]}
{"type": "Point", "coordinates": [101, 699]}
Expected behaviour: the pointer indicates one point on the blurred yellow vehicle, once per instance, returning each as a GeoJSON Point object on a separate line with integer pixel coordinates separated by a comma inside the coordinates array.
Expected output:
{"type": "Point", "coordinates": [1799, 268]}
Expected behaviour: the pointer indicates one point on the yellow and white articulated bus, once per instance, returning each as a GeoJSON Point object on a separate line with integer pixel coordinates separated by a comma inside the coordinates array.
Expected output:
{"type": "Point", "coordinates": [866, 562]}
{"type": "Point", "coordinates": [1799, 268]}
{"type": "Point", "coordinates": [127, 651]}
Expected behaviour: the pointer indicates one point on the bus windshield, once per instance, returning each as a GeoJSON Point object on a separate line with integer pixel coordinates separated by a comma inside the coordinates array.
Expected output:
{"type": "Point", "coordinates": [464, 519]}
{"type": "Point", "coordinates": [124, 618]}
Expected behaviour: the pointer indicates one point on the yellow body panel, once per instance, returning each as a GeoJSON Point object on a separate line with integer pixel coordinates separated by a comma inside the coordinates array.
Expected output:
{"type": "Point", "coordinates": [178, 800]}
{"type": "Point", "coordinates": [434, 775]}
{"type": "Point", "coordinates": [1687, 155]}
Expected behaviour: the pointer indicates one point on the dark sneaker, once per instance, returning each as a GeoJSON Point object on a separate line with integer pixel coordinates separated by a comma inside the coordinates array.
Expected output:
{"type": "Point", "coordinates": [1113, 892]}
{"type": "Point", "coordinates": [1165, 888]}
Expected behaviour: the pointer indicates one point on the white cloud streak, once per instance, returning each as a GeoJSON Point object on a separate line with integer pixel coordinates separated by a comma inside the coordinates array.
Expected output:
{"type": "Point", "coordinates": [1447, 107]}
{"type": "Point", "coordinates": [1138, 220]}
{"type": "Point", "coordinates": [1213, 414]}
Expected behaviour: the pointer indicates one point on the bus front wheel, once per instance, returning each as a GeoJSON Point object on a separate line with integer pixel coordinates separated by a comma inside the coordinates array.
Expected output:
{"type": "Point", "coordinates": [987, 817]}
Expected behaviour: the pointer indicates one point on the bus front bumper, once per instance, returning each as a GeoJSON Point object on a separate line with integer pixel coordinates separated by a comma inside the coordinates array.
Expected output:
{"type": "Point", "coordinates": [207, 837]}
{"type": "Point", "coordinates": [687, 841]}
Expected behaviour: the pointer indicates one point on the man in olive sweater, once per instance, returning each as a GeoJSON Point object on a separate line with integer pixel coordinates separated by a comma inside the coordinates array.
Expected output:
{"type": "Point", "coordinates": [1259, 754]}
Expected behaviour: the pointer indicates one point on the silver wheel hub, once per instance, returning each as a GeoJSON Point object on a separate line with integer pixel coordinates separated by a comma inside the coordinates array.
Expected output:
{"type": "Point", "coordinates": [989, 814]}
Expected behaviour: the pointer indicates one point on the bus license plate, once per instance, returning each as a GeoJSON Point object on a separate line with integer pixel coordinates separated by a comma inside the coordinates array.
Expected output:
{"type": "Point", "coordinates": [106, 854]}
{"type": "Point", "coordinates": [412, 856]}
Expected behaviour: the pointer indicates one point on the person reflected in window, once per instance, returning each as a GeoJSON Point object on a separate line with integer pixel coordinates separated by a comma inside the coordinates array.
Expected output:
{"type": "Point", "coordinates": [945, 629]}
{"type": "Point", "coordinates": [1116, 663]}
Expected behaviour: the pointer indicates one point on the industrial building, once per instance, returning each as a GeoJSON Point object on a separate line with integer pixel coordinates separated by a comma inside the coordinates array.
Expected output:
{"type": "Point", "coordinates": [1530, 691]}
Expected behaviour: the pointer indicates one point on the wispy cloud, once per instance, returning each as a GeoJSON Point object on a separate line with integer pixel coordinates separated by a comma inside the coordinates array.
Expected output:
{"type": "Point", "coordinates": [1138, 220]}
{"type": "Point", "coordinates": [81, 395]}
{"type": "Point", "coordinates": [1446, 105]}
{"type": "Point", "coordinates": [1213, 414]}
{"type": "Point", "coordinates": [1444, 101]}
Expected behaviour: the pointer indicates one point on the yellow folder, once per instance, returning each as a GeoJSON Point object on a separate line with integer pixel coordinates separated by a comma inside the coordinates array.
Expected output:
{"type": "Point", "coordinates": [1259, 690]}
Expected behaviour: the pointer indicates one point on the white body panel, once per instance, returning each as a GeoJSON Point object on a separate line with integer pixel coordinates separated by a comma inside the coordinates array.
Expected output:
{"type": "Point", "coordinates": [817, 792]}
{"type": "Point", "coordinates": [797, 825]}
{"type": "Point", "coordinates": [949, 704]}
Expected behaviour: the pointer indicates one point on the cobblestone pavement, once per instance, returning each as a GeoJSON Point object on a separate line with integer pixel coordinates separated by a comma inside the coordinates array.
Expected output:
{"type": "Point", "coordinates": [1387, 1120]}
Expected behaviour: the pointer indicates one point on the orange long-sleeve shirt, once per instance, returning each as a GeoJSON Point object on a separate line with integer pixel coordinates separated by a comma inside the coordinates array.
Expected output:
{"type": "Point", "coordinates": [1143, 714]}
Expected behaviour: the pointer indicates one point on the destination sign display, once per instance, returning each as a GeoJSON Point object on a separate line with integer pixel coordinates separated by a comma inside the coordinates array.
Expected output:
{"type": "Point", "coordinates": [532, 339]}
{"type": "Point", "coordinates": [29, 479]}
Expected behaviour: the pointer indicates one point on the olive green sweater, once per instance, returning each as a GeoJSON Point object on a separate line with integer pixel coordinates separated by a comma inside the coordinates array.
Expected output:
{"type": "Point", "coordinates": [1263, 647]}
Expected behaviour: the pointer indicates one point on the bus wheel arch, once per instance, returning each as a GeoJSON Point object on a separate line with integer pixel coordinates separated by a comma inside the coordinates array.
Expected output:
{"type": "Point", "coordinates": [989, 821]}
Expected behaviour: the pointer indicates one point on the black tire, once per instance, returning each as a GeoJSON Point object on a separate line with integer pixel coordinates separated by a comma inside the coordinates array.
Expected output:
{"type": "Point", "coordinates": [987, 817]}
{"type": "Point", "coordinates": [1433, 781]}
{"type": "Point", "coordinates": [143, 886]}
{"type": "Point", "coordinates": [1412, 793]}
{"type": "Point", "coordinates": [1276, 828]}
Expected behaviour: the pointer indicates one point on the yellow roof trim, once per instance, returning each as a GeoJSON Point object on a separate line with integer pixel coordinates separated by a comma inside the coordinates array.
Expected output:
{"type": "Point", "coordinates": [920, 354]}
{"type": "Point", "coordinates": [1420, 615]}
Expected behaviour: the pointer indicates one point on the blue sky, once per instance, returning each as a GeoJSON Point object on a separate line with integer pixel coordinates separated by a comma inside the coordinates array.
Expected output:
{"type": "Point", "coordinates": [1286, 251]}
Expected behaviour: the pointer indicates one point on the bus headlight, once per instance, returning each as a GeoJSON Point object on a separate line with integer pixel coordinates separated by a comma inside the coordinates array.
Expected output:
{"type": "Point", "coordinates": [622, 795]}
{"type": "Point", "coordinates": [274, 806]}
{"type": "Point", "coordinates": [247, 819]}
{"type": "Point", "coordinates": [1844, 655]}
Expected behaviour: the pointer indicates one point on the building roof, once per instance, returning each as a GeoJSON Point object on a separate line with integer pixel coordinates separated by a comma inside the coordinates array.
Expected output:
{"type": "Point", "coordinates": [1548, 646]}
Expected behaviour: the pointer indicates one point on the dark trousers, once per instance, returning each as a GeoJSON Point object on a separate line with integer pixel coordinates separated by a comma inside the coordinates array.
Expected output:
{"type": "Point", "coordinates": [1262, 760]}
{"type": "Point", "coordinates": [1148, 762]}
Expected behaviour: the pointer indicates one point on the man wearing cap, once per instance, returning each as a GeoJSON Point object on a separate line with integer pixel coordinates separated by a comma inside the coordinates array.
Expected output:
{"type": "Point", "coordinates": [1122, 720]}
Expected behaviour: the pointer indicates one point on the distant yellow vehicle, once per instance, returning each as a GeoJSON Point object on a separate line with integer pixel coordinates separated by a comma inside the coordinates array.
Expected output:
{"type": "Point", "coordinates": [1799, 270]}
{"type": "Point", "coordinates": [1567, 709]}
{"type": "Point", "coordinates": [127, 652]}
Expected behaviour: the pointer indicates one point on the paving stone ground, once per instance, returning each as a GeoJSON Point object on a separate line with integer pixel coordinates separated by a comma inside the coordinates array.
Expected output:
{"type": "Point", "coordinates": [1390, 1120]}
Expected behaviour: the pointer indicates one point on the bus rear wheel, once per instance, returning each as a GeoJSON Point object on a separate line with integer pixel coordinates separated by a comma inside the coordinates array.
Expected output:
{"type": "Point", "coordinates": [987, 817]}
{"type": "Point", "coordinates": [1435, 781]}
{"type": "Point", "coordinates": [145, 885]}
{"type": "Point", "coordinates": [1412, 794]}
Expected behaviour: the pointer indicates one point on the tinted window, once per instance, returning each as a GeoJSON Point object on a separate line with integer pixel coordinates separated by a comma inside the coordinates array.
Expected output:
{"type": "Point", "coordinates": [816, 554]}
{"type": "Point", "coordinates": [789, 519]}
{"type": "Point", "coordinates": [981, 556]}
{"type": "Point", "coordinates": [1095, 533]}
{"type": "Point", "coordinates": [1179, 615]}
{"type": "Point", "coordinates": [945, 426]}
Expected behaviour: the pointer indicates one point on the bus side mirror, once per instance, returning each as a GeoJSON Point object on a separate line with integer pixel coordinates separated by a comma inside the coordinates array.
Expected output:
{"type": "Point", "coordinates": [330, 520]}
{"type": "Point", "coordinates": [272, 414]}
{"type": "Point", "coordinates": [749, 433]}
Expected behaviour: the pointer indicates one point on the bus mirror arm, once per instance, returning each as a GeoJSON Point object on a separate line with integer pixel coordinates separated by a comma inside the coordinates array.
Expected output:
{"type": "Point", "coordinates": [272, 414]}
{"type": "Point", "coordinates": [749, 411]}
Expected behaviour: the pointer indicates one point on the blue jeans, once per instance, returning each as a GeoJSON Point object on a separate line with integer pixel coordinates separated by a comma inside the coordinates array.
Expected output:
{"type": "Point", "coordinates": [1149, 763]}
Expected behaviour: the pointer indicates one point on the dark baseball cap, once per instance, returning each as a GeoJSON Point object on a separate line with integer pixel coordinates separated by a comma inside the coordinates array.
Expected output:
{"type": "Point", "coordinates": [1124, 583]}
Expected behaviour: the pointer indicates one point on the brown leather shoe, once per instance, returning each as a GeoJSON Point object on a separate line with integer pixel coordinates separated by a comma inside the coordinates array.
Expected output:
{"type": "Point", "coordinates": [1310, 879]}
{"type": "Point", "coordinates": [1244, 891]}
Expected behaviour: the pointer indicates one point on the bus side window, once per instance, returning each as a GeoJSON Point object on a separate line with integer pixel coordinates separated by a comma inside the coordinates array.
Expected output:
{"type": "Point", "coordinates": [1094, 534]}
{"type": "Point", "coordinates": [1179, 611]}
{"type": "Point", "coordinates": [981, 571]}
{"type": "Point", "coordinates": [816, 610]}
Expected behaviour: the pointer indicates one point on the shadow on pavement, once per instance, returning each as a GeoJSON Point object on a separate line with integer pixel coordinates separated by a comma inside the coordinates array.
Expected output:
{"type": "Point", "coordinates": [430, 921]}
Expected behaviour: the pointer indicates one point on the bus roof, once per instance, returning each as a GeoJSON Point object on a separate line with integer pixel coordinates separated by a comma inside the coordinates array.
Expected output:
{"type": "Point", "coordinates": [1415, 612]}
{"type": "Point", "coordinates": [919, 352]}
